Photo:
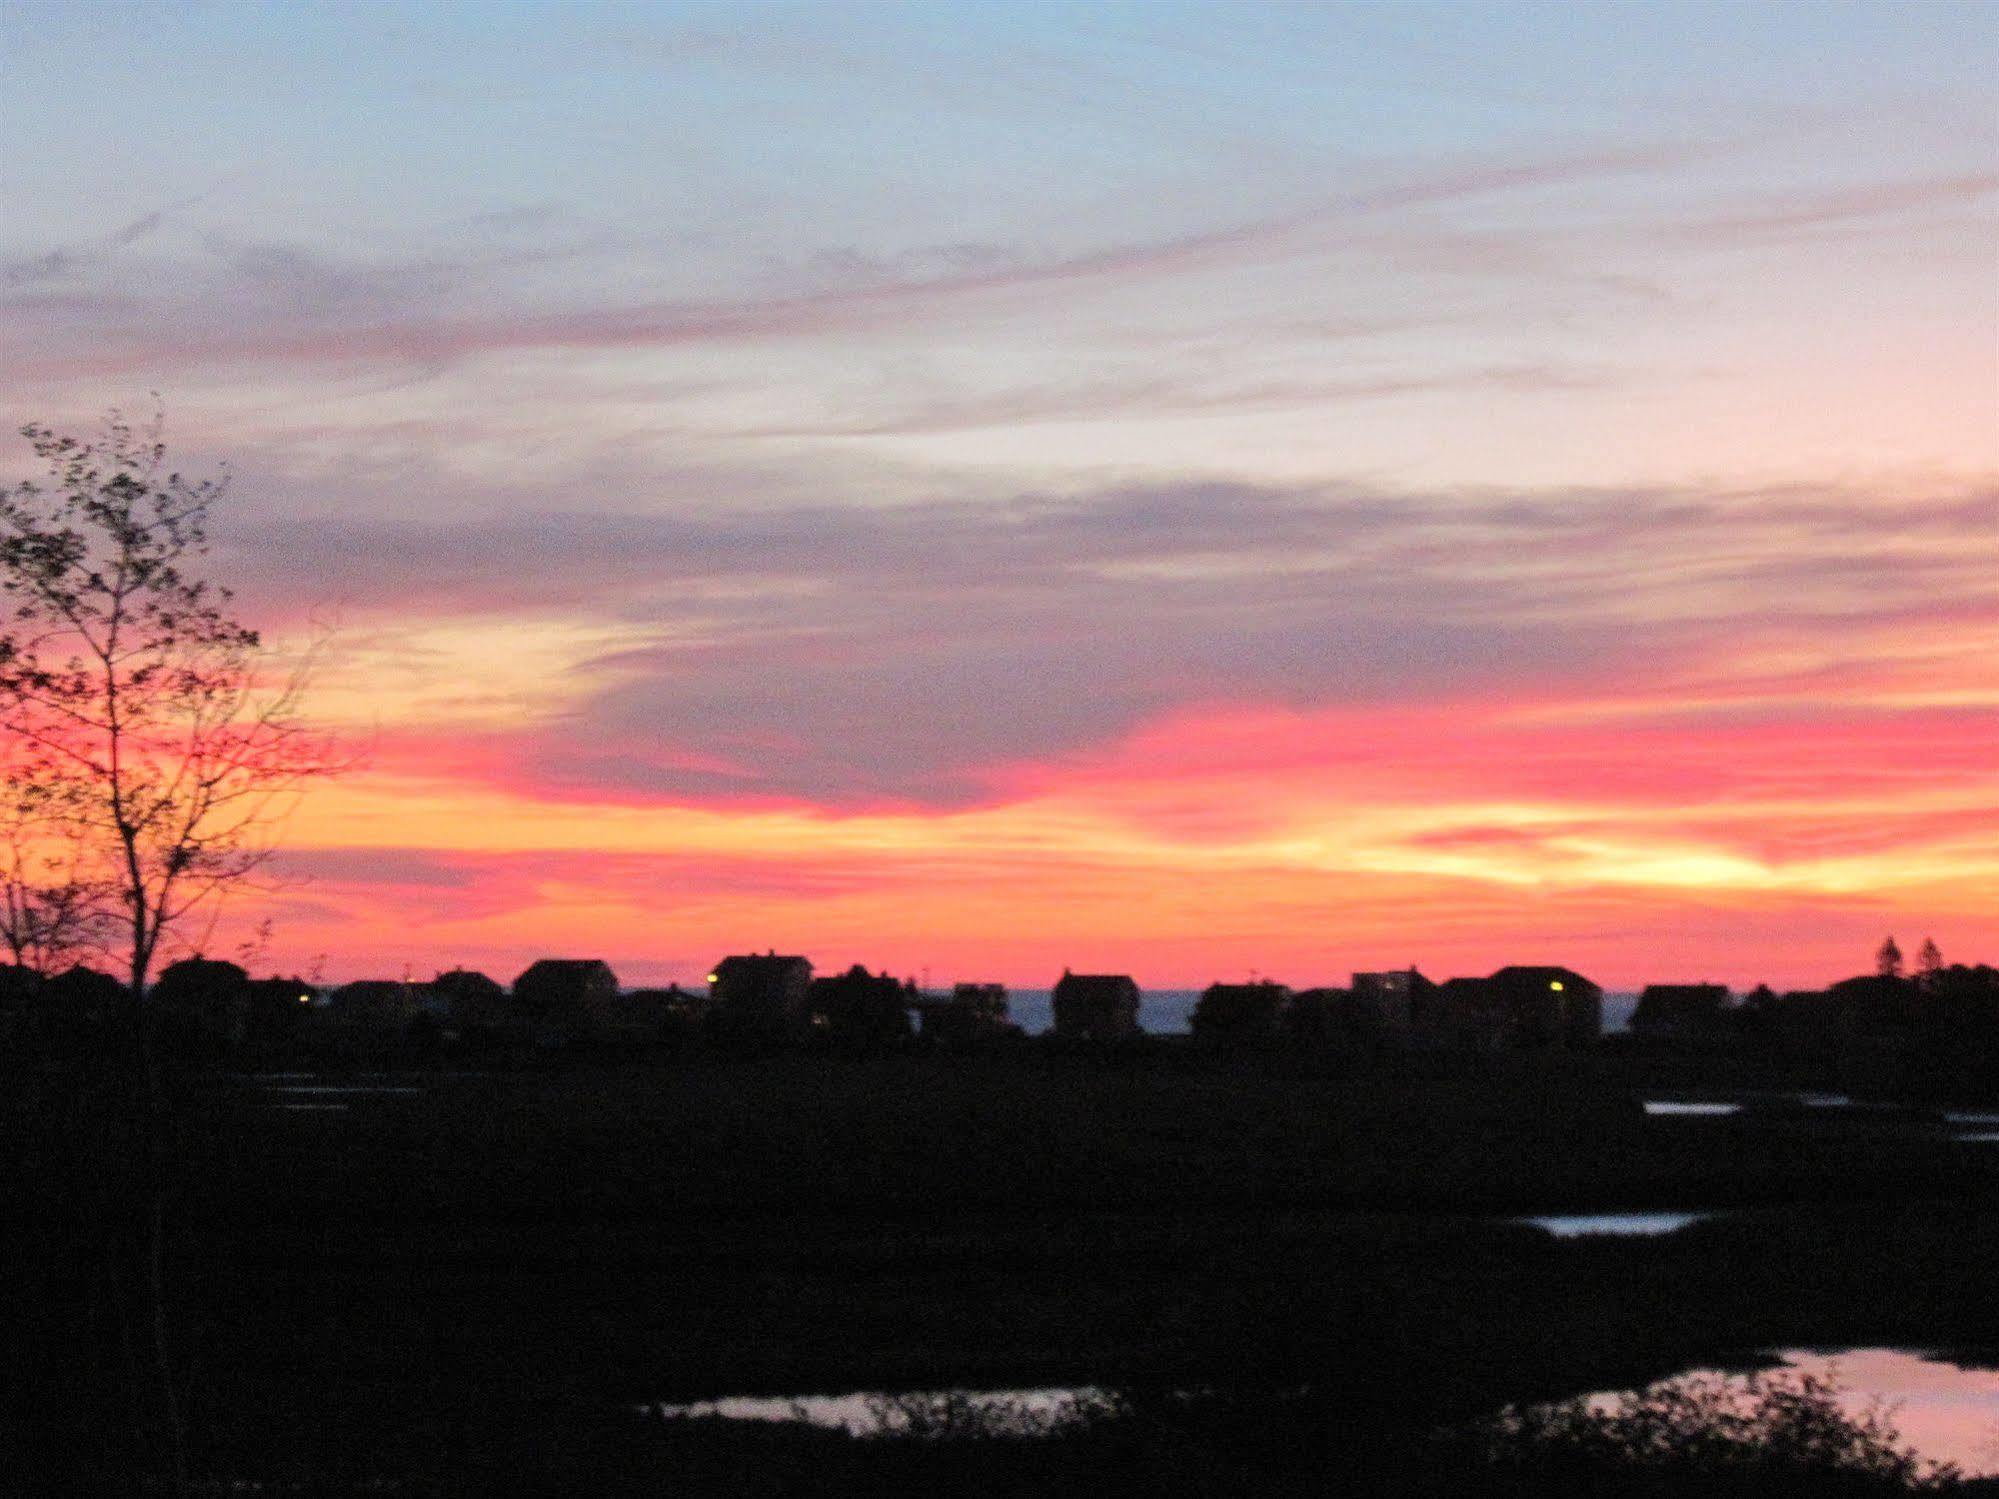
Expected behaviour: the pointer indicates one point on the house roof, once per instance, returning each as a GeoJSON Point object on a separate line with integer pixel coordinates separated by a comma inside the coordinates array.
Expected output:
{"type": "Point", "coordinates": [1097, 983]}
{"type": "Point", "coordinates": [566, 970]}
{"type": "Point", "coordinates": [1536, 974]}
{"type": "Point", "coordinates": [1687, 993]}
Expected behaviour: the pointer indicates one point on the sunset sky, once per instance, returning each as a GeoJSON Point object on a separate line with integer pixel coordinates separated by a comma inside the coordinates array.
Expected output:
{"type": "Point", "coordinates": [1172, 488]}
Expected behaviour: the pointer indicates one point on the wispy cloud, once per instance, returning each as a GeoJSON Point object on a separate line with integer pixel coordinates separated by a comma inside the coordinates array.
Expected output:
{"type": "Point", "coordinates": [347, 313]}
{"type": "Point", "coordinates": [848, 654]}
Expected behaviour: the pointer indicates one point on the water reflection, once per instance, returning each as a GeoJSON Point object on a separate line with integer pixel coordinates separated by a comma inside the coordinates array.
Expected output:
{"type": "Point", "coordinates": [1662, 1107]}
{"type": "Point", "coordinates": [1575, 1225]}
{"type": "Point", "coordinates": [1945, 1412]}
{"type": "Point", "coordinates": [873, 1412]}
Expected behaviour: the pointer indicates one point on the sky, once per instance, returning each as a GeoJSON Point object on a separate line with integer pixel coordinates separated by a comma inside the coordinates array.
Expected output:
{"type": "Point", "coordinates": [1181, 489]}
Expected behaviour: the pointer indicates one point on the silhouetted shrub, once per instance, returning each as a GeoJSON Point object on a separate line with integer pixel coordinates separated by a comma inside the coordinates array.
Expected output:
{"type": "Point", "coordinates": [1779, 1433]}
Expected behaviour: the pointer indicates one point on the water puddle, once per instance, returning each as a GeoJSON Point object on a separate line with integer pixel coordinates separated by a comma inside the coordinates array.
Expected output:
{"type": "Point", "coordinates": [1580, 1225]}
{"type": "Point", "coordinates": [876, 1412]}
{"type": "Point", "coordinates": [1670, 1108]}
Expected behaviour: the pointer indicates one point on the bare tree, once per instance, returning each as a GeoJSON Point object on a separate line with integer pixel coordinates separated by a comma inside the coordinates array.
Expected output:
{"type": "Point", "coordinates": [146, 713]}
{"type": "Point", "coordinates": [144, 699]}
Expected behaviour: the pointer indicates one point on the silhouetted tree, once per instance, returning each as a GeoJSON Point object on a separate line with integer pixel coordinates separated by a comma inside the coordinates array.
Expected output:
{"type": "Point", "coordinates": [135, 691]}
{"type": "Point", "coordinates": [130, 691]}
{"type": "Point", "coordinates": [82, 1001]}
{"type": "Point", "coordinates": [203, 1002]}
{"type": "Point", "coordinates": [1888, 961]}
{"type": "Point", "coordinates": [1785, 1432]}
{"type": "Point", "coordinates": [1929, 961]}
{"type": "Point", "coordinates": [1249, 1012]}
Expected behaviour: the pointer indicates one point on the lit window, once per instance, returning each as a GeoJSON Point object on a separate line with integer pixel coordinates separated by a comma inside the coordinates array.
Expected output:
{"type": "Point", "coordinates": [1556, 985]}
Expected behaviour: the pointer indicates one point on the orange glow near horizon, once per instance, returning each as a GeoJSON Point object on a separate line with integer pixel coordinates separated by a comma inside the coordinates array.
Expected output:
{"type": "Point", "coordinates": [1635, 841]}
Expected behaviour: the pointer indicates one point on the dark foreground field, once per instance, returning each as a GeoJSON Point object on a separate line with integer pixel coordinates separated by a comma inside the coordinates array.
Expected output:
{"type": "Point", "coordinates": [467, 1288]}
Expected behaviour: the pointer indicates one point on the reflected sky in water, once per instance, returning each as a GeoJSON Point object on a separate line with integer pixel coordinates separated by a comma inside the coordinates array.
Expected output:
{"type": "Point", "coordinates": [1946, 1413]}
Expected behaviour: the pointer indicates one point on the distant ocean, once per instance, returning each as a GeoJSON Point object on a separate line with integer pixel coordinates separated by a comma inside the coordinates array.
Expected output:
{"type": "Point", "coordinates": [1164, 1012]}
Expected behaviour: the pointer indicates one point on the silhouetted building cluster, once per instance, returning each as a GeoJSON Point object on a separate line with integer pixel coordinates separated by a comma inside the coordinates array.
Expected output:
{"type": "Point", "coordinates": [1933, 1031]}
{"type": "Point", "coordinates": [1513, 1008]}
{"type": "Point", "coordinates": [1940, 1021]}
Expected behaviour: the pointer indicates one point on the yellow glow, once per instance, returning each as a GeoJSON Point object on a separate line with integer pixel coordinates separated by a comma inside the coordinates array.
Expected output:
{"type": "Point", "coordinates": [1554, 984]}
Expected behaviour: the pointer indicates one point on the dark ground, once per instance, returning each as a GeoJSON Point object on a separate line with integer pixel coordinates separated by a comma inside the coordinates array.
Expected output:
{"type": "Point", "coordinates": [479, 1279]}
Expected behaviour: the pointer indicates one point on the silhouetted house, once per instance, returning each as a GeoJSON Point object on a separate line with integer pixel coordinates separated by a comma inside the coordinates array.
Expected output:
{"type": "Point", "coordinates": [1240, 1013]}
{"type": "Point", "coordinates": [552, 985]}
{"type": "Point", "coordinates": [1387, 1004]}
{"type": "Point", "coordinates": [971, 1013]}
{"type": "Point", "coordinates": [859, 1009]}
{"type": "Point", "coordinates": [77, 1007]}
{"type": "Point", "coordinates": [279, 1008]}
{"type": "Point", "coordinates": [73, 1008]}
{"type": "Point", "coordinates": [1382, 1009]}
{"type": "Point", "coordinates": [1549, 1007]}
{"type": "Point", "coordinates": [1681, 1012]}
{"type": "Point", "coordinates": [1515, 1007]}
{"type": "Point", "coordinates": [202, 1001]}
{"type": "Point", "coordinates": [468, 1002]}
{"type": "Point", "coordinates": [1095, 1006]}
{"type": "Point", "coordinates": [86, 996]}
{"type": "Point", "coordinates": [567, 999]}
{"type": "Point", "coordinates": [759, 999]}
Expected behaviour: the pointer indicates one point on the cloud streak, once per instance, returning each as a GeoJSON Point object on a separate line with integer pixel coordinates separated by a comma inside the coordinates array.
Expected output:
{"type": "Point", "coordinates": [853, 294]}
{"type": "Point", "coordinates": [859, 656]}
